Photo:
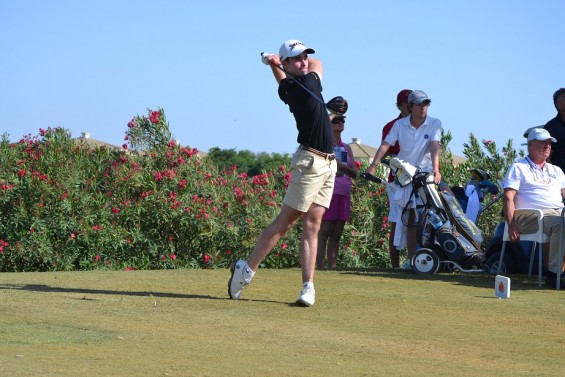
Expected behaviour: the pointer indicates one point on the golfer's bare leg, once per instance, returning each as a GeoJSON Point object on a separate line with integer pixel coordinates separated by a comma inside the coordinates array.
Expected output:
{"type": "Point", "coordinates": [309, 241]}
{"type": "Point", "coordinates": [272, 234]}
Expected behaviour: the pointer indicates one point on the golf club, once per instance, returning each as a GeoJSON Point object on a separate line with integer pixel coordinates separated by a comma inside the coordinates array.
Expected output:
{"type": "Point", "coordinates": [371, 178]}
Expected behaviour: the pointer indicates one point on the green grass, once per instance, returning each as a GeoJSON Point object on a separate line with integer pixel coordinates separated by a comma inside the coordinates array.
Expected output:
{"type": "Point", "coordinates": [364, 323]}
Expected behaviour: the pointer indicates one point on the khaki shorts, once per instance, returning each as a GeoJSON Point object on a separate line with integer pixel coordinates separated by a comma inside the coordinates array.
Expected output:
{"type": "Point", "coordinates": [311, 181]}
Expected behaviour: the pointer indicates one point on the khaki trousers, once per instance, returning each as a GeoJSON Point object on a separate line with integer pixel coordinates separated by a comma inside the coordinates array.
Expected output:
{"type": "Point", "coordinates": [551, 225]}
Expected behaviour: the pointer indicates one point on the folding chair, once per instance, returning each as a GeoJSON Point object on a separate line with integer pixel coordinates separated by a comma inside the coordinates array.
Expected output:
{"type": "Point", "coordinates": [560, 258]}
{"type": "Point", "coordinates": [538, 238]}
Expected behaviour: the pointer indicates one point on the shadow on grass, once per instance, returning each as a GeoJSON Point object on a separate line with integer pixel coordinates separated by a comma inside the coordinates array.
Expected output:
{"type": "Point", "coordinates": [48, 289]}
{"type": "Point", "coordinates": [479, 280]}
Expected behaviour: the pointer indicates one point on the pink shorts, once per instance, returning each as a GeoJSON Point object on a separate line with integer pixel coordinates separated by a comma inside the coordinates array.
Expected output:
{"type": "Point", "coordinates": [340, 209]}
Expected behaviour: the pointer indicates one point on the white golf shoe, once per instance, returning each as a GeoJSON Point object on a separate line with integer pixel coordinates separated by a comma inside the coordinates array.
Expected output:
{"type": "Point", "coordinates": [240, 278]}
{"type": "Point", "coordinates": [307, 295]}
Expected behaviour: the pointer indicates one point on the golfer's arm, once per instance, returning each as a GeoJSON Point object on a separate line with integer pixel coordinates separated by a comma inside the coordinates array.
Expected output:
{"type": "Point", "coordinates": [277, 72]}
{"type": "Point", "coordinates": [314, 65]}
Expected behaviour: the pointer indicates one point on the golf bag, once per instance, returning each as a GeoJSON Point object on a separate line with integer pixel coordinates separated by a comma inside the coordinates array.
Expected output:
{"type": "Point", "coordinates": [472, 195]}
{"type": "Point", "coordinates": [444, 233]}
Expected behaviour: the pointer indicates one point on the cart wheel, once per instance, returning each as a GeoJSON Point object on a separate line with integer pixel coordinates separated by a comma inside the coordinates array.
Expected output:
{"type": "Point", "coordinates": [425, 261]}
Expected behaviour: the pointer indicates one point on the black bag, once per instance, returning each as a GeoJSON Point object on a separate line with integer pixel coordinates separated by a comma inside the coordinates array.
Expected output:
{"type": "Point", "coordinates": [455, 246]}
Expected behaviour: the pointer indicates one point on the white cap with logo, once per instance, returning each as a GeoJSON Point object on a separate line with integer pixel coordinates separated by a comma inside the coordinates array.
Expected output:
{"type": "Point", "coordinates": [293, 48]}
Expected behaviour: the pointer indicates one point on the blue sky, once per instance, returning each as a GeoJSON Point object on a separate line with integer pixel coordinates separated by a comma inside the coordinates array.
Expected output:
{"type": "Point", "coordinates": [490, 67]}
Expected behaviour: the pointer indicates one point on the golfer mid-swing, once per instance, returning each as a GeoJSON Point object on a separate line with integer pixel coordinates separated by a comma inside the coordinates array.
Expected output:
{"type": "Point", "coordinates": [312, 169]}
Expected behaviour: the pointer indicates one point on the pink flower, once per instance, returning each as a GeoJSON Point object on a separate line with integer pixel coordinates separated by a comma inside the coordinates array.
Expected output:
{"type": "Point", "coordinates": [97, 258]}
{"type": "Point", "coordinates": [154, 117]}
{"type": "Point", "coordinates": [125, 146]}
{"type": "Point", "coordinates": [239, 195]}
{"type": "Point", "coordinates": [172, 256]}
{"type": "Point", "coordinates": [260, 180]}
{"type": "Point", "coordinates": [115, 210]}
{"type": "Point", "coordinates": [206, 258]}
{"type": "Point", "coordinates": [283, 246]}
{"type": "Point", "coordinates": [487, 142]}
{"type": "Point", "coordinates": [132, 123]}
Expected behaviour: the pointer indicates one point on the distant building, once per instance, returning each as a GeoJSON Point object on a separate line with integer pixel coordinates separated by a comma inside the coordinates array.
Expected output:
{"type": "Point", "coordinates": [85, 138]}
{"type": "Point", "coordinates": [362, 152]}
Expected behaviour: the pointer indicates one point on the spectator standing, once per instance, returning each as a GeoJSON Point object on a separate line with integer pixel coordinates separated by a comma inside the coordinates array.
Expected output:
{"type": "Point", "coordinates": [419, 138]}
{"type": "Point", "coordinates": [402, 106]}
{"type": "Point", "coordinates": [334, 219]}
{"type": "Point", "coordinates": [556, 127]}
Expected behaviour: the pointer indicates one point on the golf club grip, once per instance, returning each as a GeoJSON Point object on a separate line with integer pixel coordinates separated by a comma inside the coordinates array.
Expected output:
{"type": "Point", "coordinates": [273, 64]}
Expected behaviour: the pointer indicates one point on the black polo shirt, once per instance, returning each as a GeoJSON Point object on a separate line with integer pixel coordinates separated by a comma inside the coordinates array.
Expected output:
{"type": "Point", "coordinates": [556, 127]}
{"type": "Point", "coordinates": [312, 120]}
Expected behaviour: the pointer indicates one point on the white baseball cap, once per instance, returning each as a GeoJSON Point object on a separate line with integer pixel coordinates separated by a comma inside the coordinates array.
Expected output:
{"type": "Point", "coordinates": [539, 134]}
{"type": "Point", "coordinates": [292, 48]}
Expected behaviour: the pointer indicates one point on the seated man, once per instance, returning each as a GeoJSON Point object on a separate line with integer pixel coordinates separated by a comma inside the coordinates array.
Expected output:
{"type": "Point", "coordinates": [533, 182]}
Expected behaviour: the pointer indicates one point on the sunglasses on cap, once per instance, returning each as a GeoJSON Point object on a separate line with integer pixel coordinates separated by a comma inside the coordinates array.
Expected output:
{"type": "Point", "coordinates": [338, 120]}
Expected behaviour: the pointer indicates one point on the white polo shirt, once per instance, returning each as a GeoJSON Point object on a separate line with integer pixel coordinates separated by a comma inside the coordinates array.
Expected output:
{"type": "Point", "coordinates": [535, 188]}
{"type": "Point", "coordinates": [415, 142]}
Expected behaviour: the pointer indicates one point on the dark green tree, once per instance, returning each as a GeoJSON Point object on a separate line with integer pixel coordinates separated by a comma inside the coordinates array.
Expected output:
{"type": "Point", "coordinates": [247, 161]}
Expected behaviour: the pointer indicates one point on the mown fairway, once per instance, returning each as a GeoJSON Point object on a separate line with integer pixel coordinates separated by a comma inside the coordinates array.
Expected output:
{"type": "Point", "coordinates": [364, 323]}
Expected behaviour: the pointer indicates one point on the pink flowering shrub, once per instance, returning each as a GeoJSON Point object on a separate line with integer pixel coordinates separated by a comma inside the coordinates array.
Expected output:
{"type": "Point", "coordinates": [146, 133]}
{"type": "Point", "coordinates": [65, 205]}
